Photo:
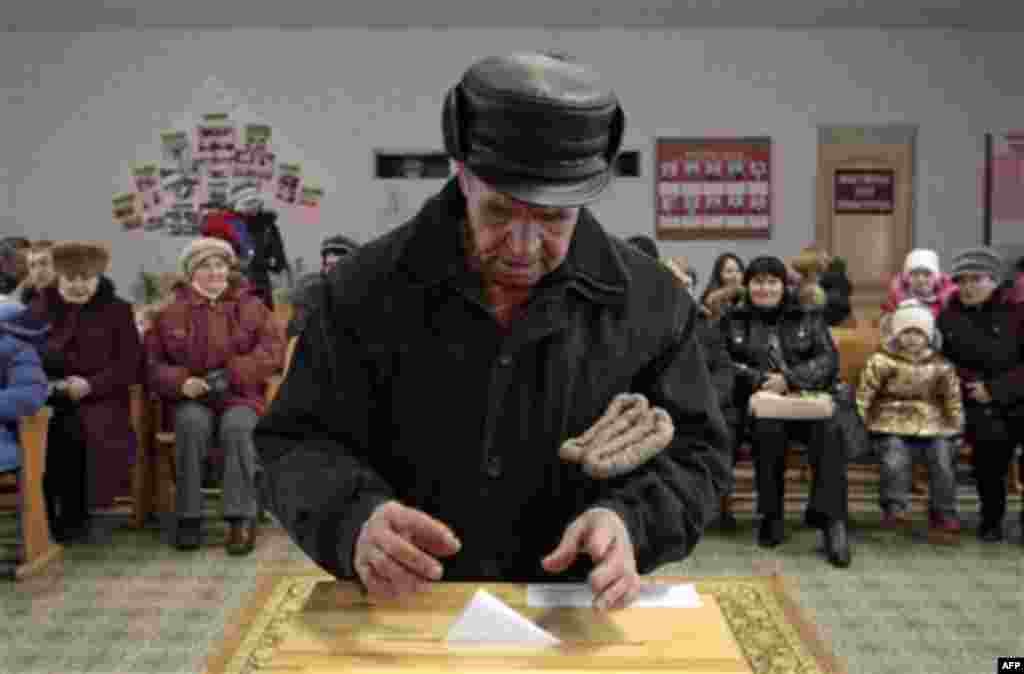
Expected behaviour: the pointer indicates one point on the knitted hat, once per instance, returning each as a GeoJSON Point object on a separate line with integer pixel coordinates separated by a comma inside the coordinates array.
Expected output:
{"type": "Point", "coordinates": [980, 260]}
{"type": "Point", "coordinates": [338, 244]}
{"type": "Point", "coordinates": [922, 258]}
{"type": "Point", "coordinates": [644, 244]}
{"type": "Point", "coordinates": [912, 314]}
{"type": "Point", "coordinates": [202, 249]}
{"type": "Point", "coordinates": [80, 258]}
{"type": "Point", "coordinates": [244, 196]}
{"type": "Point", "coordinates": [765, 264]}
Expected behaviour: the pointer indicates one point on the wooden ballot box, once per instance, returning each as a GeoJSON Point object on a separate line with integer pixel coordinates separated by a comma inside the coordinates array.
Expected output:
{"type": "Point", "coordinates": [332, 627]}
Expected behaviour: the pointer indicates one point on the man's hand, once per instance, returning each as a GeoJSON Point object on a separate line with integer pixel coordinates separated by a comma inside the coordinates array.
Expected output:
{"type": "Point", "coordinates": [602, 534]}
{"type": "Point", "coordinates": [977, 390]}
{"type": "Point", "coordinates": [194, 387]}
{"type": "Point", "coordinates": [77, 388]}
{"type": "Point", "coordinates": [775, 383]}
{"type": "Point", "coordinates": [396, 550]}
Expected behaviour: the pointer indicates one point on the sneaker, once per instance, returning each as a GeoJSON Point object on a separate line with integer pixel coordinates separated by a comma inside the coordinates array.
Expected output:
{"type": "Point", "coordinates": [895, 519]}
{"type": "Point", "coordinates": [943, 529]}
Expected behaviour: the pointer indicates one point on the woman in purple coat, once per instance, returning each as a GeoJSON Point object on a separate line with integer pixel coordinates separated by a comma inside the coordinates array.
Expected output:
{"type": "Point", "coordinates": [92, 357]}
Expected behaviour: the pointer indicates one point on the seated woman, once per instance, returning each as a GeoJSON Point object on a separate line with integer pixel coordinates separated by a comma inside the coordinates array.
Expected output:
{"type": "Point", "coordinates": [778, 345]}
{"type": "Point", "coordinates": [725, 286]}
{"type": "Point", "coordinates": [92, 357]}
{"type": "Point", "coordinates": [211, 351]}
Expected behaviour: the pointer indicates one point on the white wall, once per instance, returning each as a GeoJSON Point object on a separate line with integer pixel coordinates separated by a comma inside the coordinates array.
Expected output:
{"type": "Point", "coordinates": [80, 108]}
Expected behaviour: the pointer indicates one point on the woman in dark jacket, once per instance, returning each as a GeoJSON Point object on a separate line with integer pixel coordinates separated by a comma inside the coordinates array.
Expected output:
{"type": "Point", "coordinates": [778, 345]}
{"type": "Point", "coordinates": [982, 331]}
{"type": "Point", "coordinates": [92, 357]}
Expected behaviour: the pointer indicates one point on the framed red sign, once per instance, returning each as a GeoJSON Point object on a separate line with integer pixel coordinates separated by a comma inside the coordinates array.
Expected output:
{"type": "Point", "coordinates": [713, 188]}
{"type": "Point", "coordinates": [870, 191]}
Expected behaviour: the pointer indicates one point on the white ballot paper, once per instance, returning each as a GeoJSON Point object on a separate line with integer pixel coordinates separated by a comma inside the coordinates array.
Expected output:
{"type": "Point", "coordinates": [488, 620]}
{"type": "Point", "coordinates": [652, 595]}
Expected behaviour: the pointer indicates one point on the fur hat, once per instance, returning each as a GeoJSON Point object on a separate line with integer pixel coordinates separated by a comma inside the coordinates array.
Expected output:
{"type": "Point", "coordinates": [922, 258]}
{"type": "Point", "coordinates": [809, 261]}
{"type": "Point", "coordinates": [80, 258]}
{"type": "Point", "coordinates": [912, 314]}
{"type": "Point", "coordinates": [981, 260]}
{"type": "Point", "coordinates": [201, 249]}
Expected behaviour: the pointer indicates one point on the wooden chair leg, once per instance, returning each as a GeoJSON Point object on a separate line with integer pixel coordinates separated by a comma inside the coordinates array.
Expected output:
{"type": "Point", "coordinates": [725, 504]}
{"type": "Point", "coordinates": [37, 549]}
{"type": "Point", "coordinates": [142, 473]}
{"type": "Point", "coordinates": [1013, 481]}
{"type": "Point", "coordinates": [164, 490]}
{"type": "Point", "coordinates": [919, 483]}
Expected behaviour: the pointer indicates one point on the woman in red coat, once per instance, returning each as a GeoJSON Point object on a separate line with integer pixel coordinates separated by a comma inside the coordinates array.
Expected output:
{"type": "Point", "coordinates": [210, 352]}
{"type": "Point", "coordinates": [92, 357]}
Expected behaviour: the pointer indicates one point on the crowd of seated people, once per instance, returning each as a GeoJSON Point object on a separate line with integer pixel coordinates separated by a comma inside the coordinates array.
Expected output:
{"type": "Point", "coordinates": [950, 364]}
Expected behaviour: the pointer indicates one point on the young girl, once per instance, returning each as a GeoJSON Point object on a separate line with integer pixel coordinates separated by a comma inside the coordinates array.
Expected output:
{"type": "Point", "coordinates": [909, 396]}
{"type": "Point", "coordinates": [921, 279]}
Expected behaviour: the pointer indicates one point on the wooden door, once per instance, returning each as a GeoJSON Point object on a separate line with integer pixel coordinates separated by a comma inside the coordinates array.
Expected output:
{"type": "Point", "coordinates": [874, 245]}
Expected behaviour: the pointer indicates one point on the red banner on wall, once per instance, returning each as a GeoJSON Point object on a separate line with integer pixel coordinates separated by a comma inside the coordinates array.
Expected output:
{"type": "Point", "coordinates": [713, 188]}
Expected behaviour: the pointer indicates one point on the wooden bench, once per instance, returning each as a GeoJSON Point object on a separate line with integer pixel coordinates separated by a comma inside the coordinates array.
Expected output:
{"type": "Point", "coordinates": [855, 346]}
{"type": "Point", "coordinates": [36, 548]}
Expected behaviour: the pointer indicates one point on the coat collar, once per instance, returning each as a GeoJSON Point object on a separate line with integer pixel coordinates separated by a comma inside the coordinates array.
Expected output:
{"type": "Point", "coordinates": [435, 253]}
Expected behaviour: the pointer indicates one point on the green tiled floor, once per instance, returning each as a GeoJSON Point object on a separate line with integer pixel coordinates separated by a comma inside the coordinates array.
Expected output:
{"type": "Point", "coordinates": [137, 605]}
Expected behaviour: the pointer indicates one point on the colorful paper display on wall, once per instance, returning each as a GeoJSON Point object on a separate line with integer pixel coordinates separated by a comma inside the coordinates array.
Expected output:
{"type": "Point", "coordinates": [713, 188]}
{"type": "Point", "coordinates": [196, 174]}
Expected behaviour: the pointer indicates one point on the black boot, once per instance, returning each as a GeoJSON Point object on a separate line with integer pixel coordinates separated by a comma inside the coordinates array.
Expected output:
{"type": "Point", "coordinates": [837, 544]}
{"type": "Point", "coordinates": [771, 533]}
{"type": "Point", "coordinates": [189, 534]}
{"type": "Point", "coordinates": [990, 532]}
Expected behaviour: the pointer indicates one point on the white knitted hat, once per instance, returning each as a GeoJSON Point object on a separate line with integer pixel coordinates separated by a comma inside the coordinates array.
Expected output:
{"type": "Point", "coordinates": [912, 314]}
{"type": "Point", "coordinates": [202, 249]}
{"type": "Point", "coordinates": [922, 258]}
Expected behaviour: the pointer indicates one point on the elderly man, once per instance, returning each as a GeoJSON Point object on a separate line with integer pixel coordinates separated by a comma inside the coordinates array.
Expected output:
{"type": "Point", "coordinates": [418, 433]}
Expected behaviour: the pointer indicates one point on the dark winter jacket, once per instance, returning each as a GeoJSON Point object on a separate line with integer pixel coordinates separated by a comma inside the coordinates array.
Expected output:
{"type": "Point", "coordinates": [99, 342]}
{"type": "Point", "coordinates": [806, 353]}
{"type": "Point", "coordinates": [22, 380]}
{"type": "Point", "coordinates": [418, 395]}
{"type": "Point", "coordinates": [986, 343]}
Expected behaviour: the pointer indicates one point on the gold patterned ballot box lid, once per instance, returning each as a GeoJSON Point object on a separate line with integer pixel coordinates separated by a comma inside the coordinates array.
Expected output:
{"type": "Point", "coordinates": [314, 624]}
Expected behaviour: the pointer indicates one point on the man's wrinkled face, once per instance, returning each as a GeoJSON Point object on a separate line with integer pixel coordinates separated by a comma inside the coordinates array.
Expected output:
{"type": "Point", "coordinates": [40, 268]}
{"type": "Point", "coordinates": [515, 243]}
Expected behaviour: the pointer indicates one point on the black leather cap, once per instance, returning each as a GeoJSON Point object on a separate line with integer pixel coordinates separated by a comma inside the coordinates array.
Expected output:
{"type": "Point", "coordinates": [541, 129]}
